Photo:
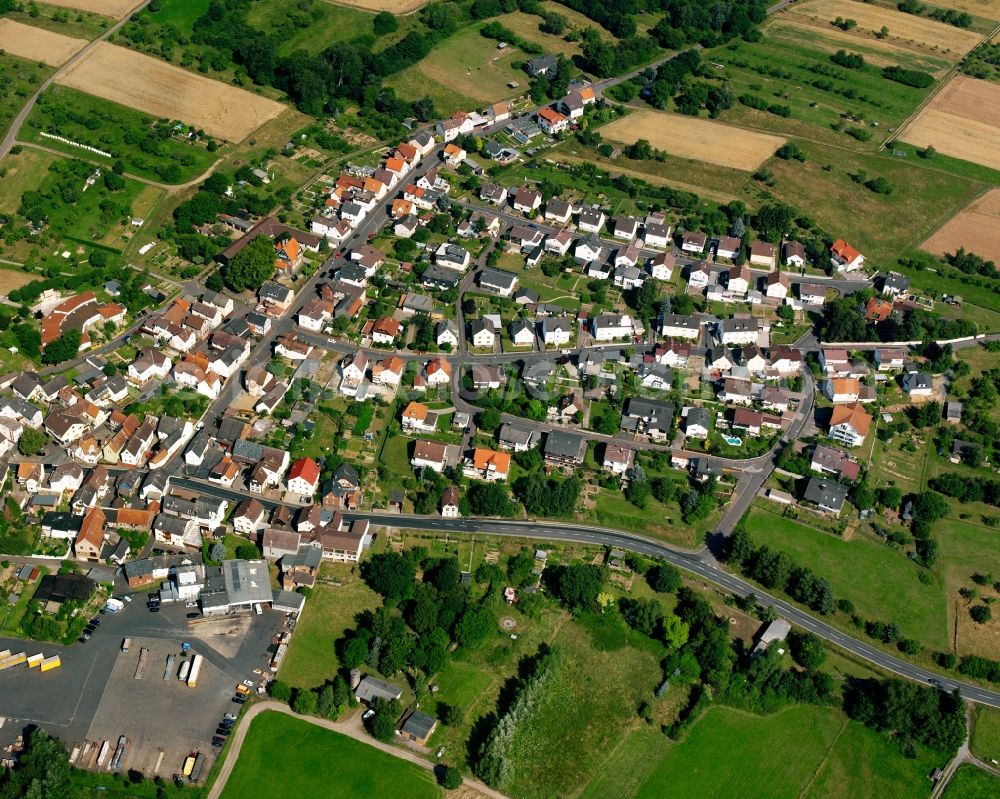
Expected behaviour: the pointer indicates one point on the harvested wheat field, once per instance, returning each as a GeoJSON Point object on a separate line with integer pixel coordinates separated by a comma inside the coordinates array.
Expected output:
{"type": "Point", "coordinates": [978, 8]}
{"type": "Point", "coordinates": [10, 280]}
{"type": "Point", "coordinates": [700, 139]}
{"type": "Point", "coordinates": [109, 8]}
{"type": "Point", "coordinates": [976, 227]}
{"type": "Point", "coordinates": [157, 88]}
{"type": "Point", "coordinates": [37, 44]}
{"type": "Point", "coordinates": [963, 120]}
{"type": "Point", "coordinates": [397, 7]}
{"type": "Point", "coordinates": [907, 30]}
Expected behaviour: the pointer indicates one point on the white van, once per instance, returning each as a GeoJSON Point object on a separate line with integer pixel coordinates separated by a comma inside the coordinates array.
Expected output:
{"type": "Point", "coordinates": [257, 609]}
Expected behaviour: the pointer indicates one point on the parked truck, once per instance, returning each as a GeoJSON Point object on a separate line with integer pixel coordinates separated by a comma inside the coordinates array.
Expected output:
{"type": "Point", "coordinates": [199, 767]}
{"type": "Point", "coordinates": [113, 605]}
{"type": "Point", "coordinates": [195, 671]}
{"type": "Point", "coordinates": [184, 671]}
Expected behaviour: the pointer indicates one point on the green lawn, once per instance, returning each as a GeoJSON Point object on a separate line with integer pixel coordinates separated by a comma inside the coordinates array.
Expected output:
{"type": "Point", "coordinates": [329, 611]}
{"type": "Point", "coordinates": [970, 782]}
{"type": "Point", "coordinates": [985, 742]}
{"type": "Point", "coordinates": [881, 583]}
{"type": "Point", "coordinates": [803, 751]}
{"type": "Point", "coordinates": [395, 455]}
{"type": "Point", "coordinates": [283, 756]}
{"type": "Point", "coordinates": [613, 510]}
{"type": "Point", "coordinates": [116, 129]}
{"type": "Point", "coordinates": [24, 172]}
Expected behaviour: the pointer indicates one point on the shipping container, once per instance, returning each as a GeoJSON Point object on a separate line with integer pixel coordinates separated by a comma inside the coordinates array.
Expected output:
{"type": "Point", "coordinates": [103, 753]}
{"type": "Point", "coordinates": [195, 670]}
{"type": "Point", "coordinates": [34, 661]}
{"type": "Point", "coordinates": [168, 672]}
{"type": "Point", "coordinates": [51, 663]}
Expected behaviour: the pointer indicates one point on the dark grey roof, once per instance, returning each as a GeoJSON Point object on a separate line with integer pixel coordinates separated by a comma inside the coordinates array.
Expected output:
{"type": "Point", "coordinates": [653, 412]}
{"type": "Point", "coordinates": [565, 445]}
{"type": "Point", "coordinates": [699, 416]}
{"type": "Point", "coordinates": [510, 433]}
{"type": "Point", "coordinates": [418, 724]}
{"type": "Point", "coordinates": [371, 688]}
{"type": "Point", "coordinates": [826, 493]}
{"type": "Point", "coordinates": [497, 278]}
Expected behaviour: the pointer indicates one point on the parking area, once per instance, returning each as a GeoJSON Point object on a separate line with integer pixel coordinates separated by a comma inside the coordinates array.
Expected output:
{"type": "Point", "coordinates": [163, 718]}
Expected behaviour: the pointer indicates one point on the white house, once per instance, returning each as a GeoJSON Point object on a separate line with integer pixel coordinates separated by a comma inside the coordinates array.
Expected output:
{"type": "Point", "coordinates": [556, 330]}
{"type": "Point", "coordinates": [610, 326]}
{"type": "Point", "coordinates": [590, 220]}
{"type": "Point", "coordinates": [661, 266]}
{"type": "Point", "coordinates": [845, 257]}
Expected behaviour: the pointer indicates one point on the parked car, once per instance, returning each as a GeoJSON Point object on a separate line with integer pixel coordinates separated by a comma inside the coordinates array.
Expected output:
{"type": "Point", "coordinates": [194, 615]}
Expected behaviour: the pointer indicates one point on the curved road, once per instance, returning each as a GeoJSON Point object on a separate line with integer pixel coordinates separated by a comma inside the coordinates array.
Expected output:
{"type": "Point", "coordinates": [700, 563]}
{"type": "Point", "coordinates": [349, 727]}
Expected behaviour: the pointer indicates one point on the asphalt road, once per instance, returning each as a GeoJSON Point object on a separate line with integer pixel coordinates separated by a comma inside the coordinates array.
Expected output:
{"type": "Point", "coordinates": [698, 563]}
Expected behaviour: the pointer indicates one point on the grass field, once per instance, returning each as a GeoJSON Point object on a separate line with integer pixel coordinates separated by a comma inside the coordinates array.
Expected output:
{"type": "Point", "coordinates": [319, 763]}
{"type": "Point", "coordinates": [165, 91]}
{"type": "Point", "coordinates": [880, 582]}
{"type": "Point", "coordinates": [112, 128]}
{"type": "Point", "coordinates": [985, 743]}
{"type": "Point", "coordinates": [25, 171]}
{"type": "Point", "coordinates": [330, 610]}
{"type": "Point", "coordinates": [586, 708]}
{"type": "Point", "coordinates": [976, 228]}
{"type": "Point", "coordinates": [699, 139]}
{"type": "Point", "coordinates": [963, 120]}
{"type": "Point", "coordinates": [803, 751]}
{"type": "Point", "coordinates": [37, 44]}
{"type": "Point", "coordinates": [791, 66]}
{"type": "Point", "coordinates": [464, 71]}
{"type": "Point", "coordinates": [11, 278]}
{"type": "Point", "coordinates": [76, 24]}
{"type": "Point", "coordinates": [970, 782]}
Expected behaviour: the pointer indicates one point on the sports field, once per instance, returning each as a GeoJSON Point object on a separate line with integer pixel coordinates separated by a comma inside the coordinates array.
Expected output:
{"type": "Point", "coordinates": [803, 752]}
{"type": "Point", "coordinates": [962, 120]}
{"type": "Point", "coordinates": [110, 8]}
{"type": "Point", "coordinates": [699, 139]}
{"type": "Point", "coordinates": [37, 44]}
{"type": "Point", "coordinates": [283, 756]}
{"type": "Point", "coordinates": [155, 87]}
{"type": "Point", "coordinates": [905, 30]}
{"type": "Point", "coordinates": [976, 227]}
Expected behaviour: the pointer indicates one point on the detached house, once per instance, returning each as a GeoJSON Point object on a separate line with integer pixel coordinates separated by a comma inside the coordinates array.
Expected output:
{"type": "Point", "coordinates": [418, 418]}
{"type": "Point", "coordinates": [777, 285]}
{"type": "Point", "coordinates": [527, 200]}
{"type": "Point", "coordinates": [551, 121]}
{"type": "Point", "coordinates": [385, 330]}
{"type": "Point", "coordinates": [590, 220]}
{"type": "Point", "coordinates": [845, 257]}
{"type": "Point", "coordinates": [303, 477]}
{"type": "Point", "coordinates": [694, 241]}
{"type": "Point", "coordinates": [557, 210]}
{"type": "Point", "coordinates": [763, 253]}
{"type": "Point", "coordinates": [487, 464]}
{"type": "Point", "coordinates": [850, 424]}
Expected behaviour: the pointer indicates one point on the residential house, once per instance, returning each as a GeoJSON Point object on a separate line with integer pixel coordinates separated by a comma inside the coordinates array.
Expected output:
{"type": "Point", "coordinates": [736, 391]}
{"type": "Point", "coordinates": [777, 285]}
{"type": "Point", "coordinates": [556, 331]}
{"type": "Point", "coordinates": [452, 256]}
{"type": "Point", "coordinates": [878, 310]}
{"type": "Point", "coordinates": [453, 154]}
{"type": "Point", "coordinates": [617, 459]}
{"type": "Point", "coordinates": [831, 460]}
{"type": "Point", "coordinates": [697, 423]}
{"type": "Point", "coordinates": [740, 330]}
{"type": "Point", "coordinates": [388, 372]}
{"type": "Point", "coordinates": [890, 359]}
{"type": "Point", "coordinates": [250, 517]}
{"type": "Point", "coordinates": [678, 326]}
{"type": "Point", "coordinates": [551, 121]}
{"type": "Point", "coordinates": [418, 418]}
{"type": "Point", "coordinates": [656, 234]}
{"type": "Point", "coordinates": [588, 250]}
{"type": "Point", "coordinates": [812, 294]}
{"type": "Point", "coordinates": [557, 210]}
{"type": "Point", "coordinates": [482, 333]}
{"type": "Point", "coordinates": [352, 373]}
{"type": "Point", "coordinates": [610, 326]}
{"type": "Point", "coordinates": [564, 449]}
{"type": "Point", "coordinates": [728, 247]}
{"type": "Point", "coordinates": [694, 241]}
{"type": "Point", "coordinates": [437, 372]}
{"type": "Point", "coordinates": [827, 495]}
{"type": "Point", "coordinates": [661, 266]}
{"type": "Point", "coordinates": [648, 417]}
{"type": "Point", "coordinates": [793, 253]}
{"type": "Point", "coordinates": [492, 193]}
{"type": "Point", "coordinates": [522, 332]}
{"type": "Point", "coordinates": [763, 253]}
{"type": "Point", "coordinates": [559, 243]}
{"type": "Point", "coordinates": [895, 285]}
{"type": "Point", "coordinates": [699, 275]}
{"type": "Point", "coordinates": [385, 330]}
{"type": "Point", "coordinates": [446, 332]}
{"type": "Point", "coordinates": [497, 280]}
{"type": "Point", "coordinates": [842, 389]}
{"type": "Point", "coordinates": [845, 257]}
{"type": "Point", "coordinates": [624, 227]}
{"type": "Point", "coordinates": [429, 454]}
{"type": "Point", "coordinates": [739, 279]}
{"type": "Point", "coordinates": [590, 219]}
{"type": "Point", "coordinates": [518, 439]}
{"type": "Point", "coordinates": [303, 477]}
{"type": "Point", "coordinates": [918, 384]}
{"type": "Point", "coordinates": [487, 464]}
{"type": "Point", "coordinates": [90, 540]}
{"type": "Point", "coordinates": [527, 200]}
{"type": "Point", "coordinates": [849, 424]}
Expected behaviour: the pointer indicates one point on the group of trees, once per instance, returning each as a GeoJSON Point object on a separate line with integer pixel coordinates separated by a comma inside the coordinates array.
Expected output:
{"type": "Point", "coordinates": [251, 266]}
{"type": "Point", "coordinates": [967, 489]}
{"type": "Point", "coordinates": [775, 569]}
{"type": "Point", "coordinates": [844, 320]}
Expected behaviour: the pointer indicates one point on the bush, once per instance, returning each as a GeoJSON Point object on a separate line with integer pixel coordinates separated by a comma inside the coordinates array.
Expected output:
{"type": "Point", "coordinates": [450, 778]}
{"type": "Point", "coordinates": [807, 649]}
{"type": "Point", "coordinates": [280, 691]}
{"type": "Point", "coordinates": [981, 614]}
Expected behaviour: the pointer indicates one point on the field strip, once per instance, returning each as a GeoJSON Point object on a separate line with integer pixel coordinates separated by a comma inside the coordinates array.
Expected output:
{"type": "Point", "coordinates": [165, 91]}
{"type": "Point", "coordinates": [109, 8]}
{"type": "Point", "coordinates": [956, 136]}
{"type": "Point", "coordinates": [698, 139]}
{"type": "Point", "coordinates": [399, 7]}
{"type": "Point", "coordinates": [976, 227]}
{"type": "Point", "coordinates": [917, 32]}
{"type": "Point", "coordinates": [38, 44]}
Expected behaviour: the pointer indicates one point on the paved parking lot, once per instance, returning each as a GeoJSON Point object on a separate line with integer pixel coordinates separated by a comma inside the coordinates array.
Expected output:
{"type": "Point", "coordinates": [158, 715]}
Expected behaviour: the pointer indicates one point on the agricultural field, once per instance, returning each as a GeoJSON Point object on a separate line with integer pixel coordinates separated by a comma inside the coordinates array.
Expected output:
{"type": "Point", "coordinates": [963, 120]}
{"type": "Point", "coordinates": [970, 782]}
{"type": "Point", "coordinates": [464, 71]}
{"type": "Point", "coordinates": [978, 8]}
{"type": "Point", "coordinates": [834, 757]}
{"type": "Point", "coordinates": [147, 149]}
{"type": "Point", "coordinates": [37, 44]}
{"type": "Point", "coordinates": [976, 228]}
{"type": "Point", "coordinates": [919, 34]}
{"type": "Point", "coordinates": [699, 139]}
{"type": "Point", "coordinates": [109, 8]}
{"type": "Point", "coordinates": [395, 6]}
{"type": "Point", "coordinates": [319, 762]}
{"type": "Point", "coordinates": [73, 23]}
{"type": "Point", "coordinates": [330, 610]}
{"type": "Point", "coordinates": [154, 87]}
